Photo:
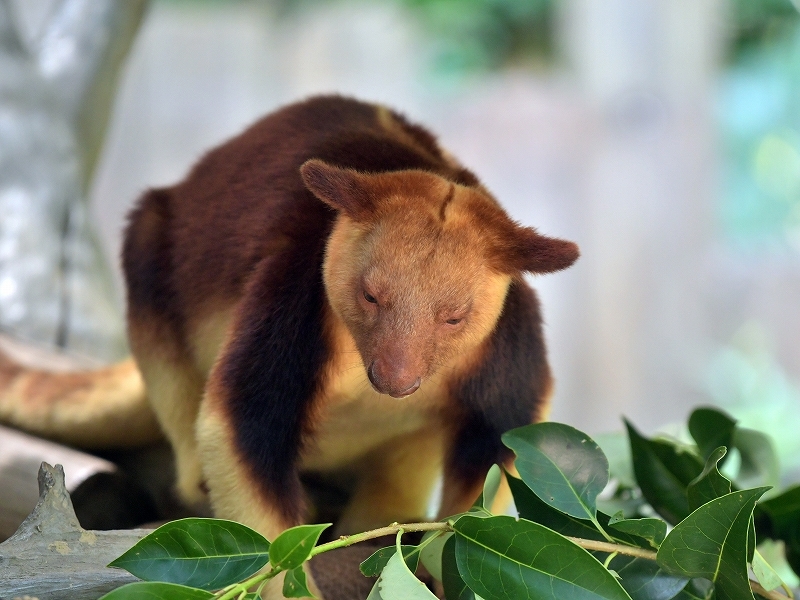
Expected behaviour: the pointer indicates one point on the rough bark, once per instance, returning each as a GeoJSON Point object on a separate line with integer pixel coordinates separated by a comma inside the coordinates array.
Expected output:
{"type": "Point", "coordinates": [51, 557]}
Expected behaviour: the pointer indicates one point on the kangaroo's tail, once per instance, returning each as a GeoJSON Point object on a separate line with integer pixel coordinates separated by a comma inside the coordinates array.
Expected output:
{"type": "Point", "coordinates": [97, 409]}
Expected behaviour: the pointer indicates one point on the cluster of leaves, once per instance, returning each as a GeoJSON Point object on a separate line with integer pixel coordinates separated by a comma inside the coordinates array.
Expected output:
{"type": "Point", "coordinates": [701, 545]}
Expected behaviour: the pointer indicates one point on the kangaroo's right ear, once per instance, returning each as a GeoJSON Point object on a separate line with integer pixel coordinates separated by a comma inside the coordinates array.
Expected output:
{"type": "Point", "coordinates": [345, 190]}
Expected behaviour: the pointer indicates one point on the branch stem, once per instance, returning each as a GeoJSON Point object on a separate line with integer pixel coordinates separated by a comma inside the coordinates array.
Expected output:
{"type": "Point", "coordinates": [611, 548]}
{"type": "Point", "coordinates": [770, 595]}
{"type": "Point", "coordinates": [392, 529]}
{"type": "Point", "coordinates": [232, 591]}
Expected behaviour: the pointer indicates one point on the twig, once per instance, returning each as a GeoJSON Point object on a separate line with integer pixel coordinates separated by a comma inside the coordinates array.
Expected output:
{"type": "Point", "coordinates": [610, 548]}
{"type": "Point", "coordinates": [395, 528]}
{"type": "Point", "coordinates": [376, 533]}
{"type": "Point", "coordinates": [770, 595]}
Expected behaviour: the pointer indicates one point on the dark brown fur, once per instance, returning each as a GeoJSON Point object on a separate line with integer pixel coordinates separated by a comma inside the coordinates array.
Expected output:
{"type": "Point", "coordinates": [246, 231]}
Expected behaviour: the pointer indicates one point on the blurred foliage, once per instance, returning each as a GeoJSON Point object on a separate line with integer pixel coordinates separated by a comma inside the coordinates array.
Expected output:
{"type": "Point", "coordinates": [477, 35]}
{"type": "Point", "coordinates": [757, 22]}
{"type": "Point", "coordinates": [488, 34]}
{"type": "Point", "coordinates": [760, 127]}
{"type": "Point", "coordinates": [746, 379]}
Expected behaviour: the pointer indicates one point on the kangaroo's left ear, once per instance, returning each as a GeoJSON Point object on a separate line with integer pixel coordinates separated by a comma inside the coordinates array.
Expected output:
{"type": "Point", "coordinates": [346, 190]}
{"type": "Point", "coordinates": [523, 249]}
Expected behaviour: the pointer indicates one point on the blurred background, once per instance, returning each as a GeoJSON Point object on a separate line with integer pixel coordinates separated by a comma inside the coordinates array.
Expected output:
{"type": "Point", "coordinates": [661, 135]}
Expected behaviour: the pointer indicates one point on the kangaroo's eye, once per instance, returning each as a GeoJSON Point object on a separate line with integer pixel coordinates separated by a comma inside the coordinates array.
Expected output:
{"type": "Point", "coordinates": [369, 298]}
{"type": "Point", "coordinates": [454, 321]}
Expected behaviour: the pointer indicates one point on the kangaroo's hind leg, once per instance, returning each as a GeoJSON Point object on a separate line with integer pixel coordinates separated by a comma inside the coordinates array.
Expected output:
{"type": "Point", "coordinates": [157, 332]}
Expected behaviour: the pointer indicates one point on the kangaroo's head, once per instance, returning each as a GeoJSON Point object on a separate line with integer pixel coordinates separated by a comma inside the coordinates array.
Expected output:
{"type": "Point", "coordinates": [417, 267]}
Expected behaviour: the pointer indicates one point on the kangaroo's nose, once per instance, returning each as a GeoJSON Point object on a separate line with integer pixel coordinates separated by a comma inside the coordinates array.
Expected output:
{"type": "Point", "coordinates": [398, 383]}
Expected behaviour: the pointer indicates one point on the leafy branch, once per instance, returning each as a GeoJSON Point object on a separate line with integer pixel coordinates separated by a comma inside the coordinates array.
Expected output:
{"type": "Point", "coordinates": [561, 545]}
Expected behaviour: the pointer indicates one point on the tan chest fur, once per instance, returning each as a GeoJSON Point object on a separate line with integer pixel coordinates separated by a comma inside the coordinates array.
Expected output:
{"type": "Point", "coordinates": [351, 419]}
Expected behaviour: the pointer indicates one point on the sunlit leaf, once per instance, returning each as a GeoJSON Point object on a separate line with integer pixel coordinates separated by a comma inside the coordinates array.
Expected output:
{"type": "Point", "coordinates": [373, 565]}
{"type": "Point", "coordinates": [201, 553]}
{"type": "Point", "coordinates": [295, 584]}
{"type": "Point", "coordinates": [783, 522]}
{"type": "Point", "coordinates": [712, 543]}
{"type": "Point", "coordinates": [562, 465]}
{"type": "Point", "coordinates": [765, 574]}
{"type": "Point", "coordinates": [375, 593]}
{"type": "Point", "coordinates": [398, 583]}
{"type": "Point", "coordinates": [153, 590]}
{"type": "Point", "coordinates": [431, 553]}
{"type": "Point", "coordinates": [501, 558]}
{"type": "Point", "coordinates": [710, 483]}
{"type": "Point", "coordinates": [711, 428]}
{"type": "Point", "coordinates": [652, 529]}
{"type": "Point", "coordinates": [663, 471]}
{"type": "Point", "coordinates": [490, 486]}
{"type": "Point", "coordinates": [774, 552]}
{"type": "Point", "coordinates": [292, 547]}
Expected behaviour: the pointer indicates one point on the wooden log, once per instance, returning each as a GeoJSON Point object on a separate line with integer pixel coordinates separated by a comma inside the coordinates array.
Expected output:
{"type": "Point", "coordinates": [20, 457]}
{"type": "Point", "coordinates": [51, 557]}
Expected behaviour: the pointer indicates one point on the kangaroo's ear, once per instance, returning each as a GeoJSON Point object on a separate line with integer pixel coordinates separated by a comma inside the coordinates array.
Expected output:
{"type": "Point", "coordinates": [523, 249]}
{"type": "Point", "coordinates": [346, 190]}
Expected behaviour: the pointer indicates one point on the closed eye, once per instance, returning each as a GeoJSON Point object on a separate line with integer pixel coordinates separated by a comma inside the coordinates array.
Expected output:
{"type": "Point", "coordinates": [454, 321]}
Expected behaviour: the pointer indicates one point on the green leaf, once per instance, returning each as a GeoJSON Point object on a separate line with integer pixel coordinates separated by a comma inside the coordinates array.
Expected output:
{"type": "Point", "coordinates": [652, 529]}
{"type": "Point", "coordinates": [431, 553]}
{"type": "Point", "coordinates": [644, 580]}
{"type": "Point", "coordinates": [152, 590]}
{"type": "Point", "coordinates": [373, 565]}
{"type": "Point", "coordinates": [295, 585]}
{"type": "Point", "coordinates": [398, 583]}
{"type": "Point", "coordinates": [531, 507]}
{"type": "Point", "coordinates": [696, 589]}
{"type": "Point", "coordinates": [759, 460]}
{"type": "Point", "coordinates": [711, 428]}
{"type": "Point", "coordinates": [490, 486]}
{"type": "Point", "coordinates": [782, 513]}
{"type": "Point", "coordinates": [201, 553]}
{"type": "Point", "coordinates": [375, 593]}
{"type": "Point", "coordinates": [773, 551]}
{"type": "Point", "coordinates": [501, 558]}
{"type": "Point", "coordinates": [292, 547]}
{"type": "Point", "coordinates": [710, 483]}
{"type": "Point", "coordinates": [765, 574]}
{"type": "Point", "coordinates": [562, 465]}
{"type": "Point", "coordinates": [712, 543]}
{"type": "Point", "coordinates": [663, 470]}
{"type": "Point", "coordinates": [453, 584]}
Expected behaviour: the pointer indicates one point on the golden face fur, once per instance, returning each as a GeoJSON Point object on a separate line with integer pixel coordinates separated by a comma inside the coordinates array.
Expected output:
{"type": "Point", "coordinates": [411, 278]}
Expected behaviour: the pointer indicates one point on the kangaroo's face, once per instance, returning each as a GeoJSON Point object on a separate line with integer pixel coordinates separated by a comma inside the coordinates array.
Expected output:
{"type": "Point", "coordinates": [418, 268]}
